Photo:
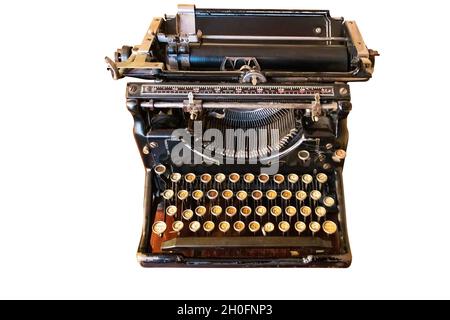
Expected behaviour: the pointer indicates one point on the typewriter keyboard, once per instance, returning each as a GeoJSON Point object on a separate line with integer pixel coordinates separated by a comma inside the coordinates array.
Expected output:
{"type": "Point", "coordinates": [247, 211]}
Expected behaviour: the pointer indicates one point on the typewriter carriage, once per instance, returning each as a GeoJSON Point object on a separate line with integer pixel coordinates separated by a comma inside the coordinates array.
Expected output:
{"type": "Point", "coordinates": [287, 45]}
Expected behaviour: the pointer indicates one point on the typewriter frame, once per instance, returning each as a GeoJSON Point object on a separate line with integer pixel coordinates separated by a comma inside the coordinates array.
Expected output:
{"type": "Point", "coordinates": [153, 147]}
{"type": "Point", "coordinates": [142, 62]}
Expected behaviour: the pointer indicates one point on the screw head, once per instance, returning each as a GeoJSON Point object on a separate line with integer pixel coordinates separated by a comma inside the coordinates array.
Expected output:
{"type": "Point", "coordinates": [153, 145]}
{"type": "Point", "coordinates": [133, 89]}
{"type": "Point", "coordinates": [343, 91]}
{"type": "Point", "coordinates": [146, 150]}
{"type": "Point", "coordinates": [318, 30]}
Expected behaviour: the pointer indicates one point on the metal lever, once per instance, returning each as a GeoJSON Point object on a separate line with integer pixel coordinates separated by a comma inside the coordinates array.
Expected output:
{"type": "Point", "coordinates": [253, 76]}
{"type": "Point", "coordinates": [316, 109]}
{"type": "Point", "coordinates": [192, 106]}
{"type": "Point", "coordinates": [112, 67]}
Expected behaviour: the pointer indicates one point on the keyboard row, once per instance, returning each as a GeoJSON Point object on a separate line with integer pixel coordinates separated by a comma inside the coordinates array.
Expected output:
{"type": "Point", "coordinates": [248, 178]}
{"type": "Point", "coordinates": [329, 227]}
{"type": "Point", "coordinates": [242, 195]}
{"type": "Point", "coordinates": [246, 211]}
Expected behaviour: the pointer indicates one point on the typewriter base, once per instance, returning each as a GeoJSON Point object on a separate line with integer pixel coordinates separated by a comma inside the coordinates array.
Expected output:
{"type": "Point", "coordinates": [308, 258]}
{"type": "Point", "coordinates": [156, 260]}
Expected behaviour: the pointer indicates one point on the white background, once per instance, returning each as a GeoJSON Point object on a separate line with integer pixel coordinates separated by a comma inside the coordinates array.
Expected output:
{"type": "Point", "coordinates": [72, 182]}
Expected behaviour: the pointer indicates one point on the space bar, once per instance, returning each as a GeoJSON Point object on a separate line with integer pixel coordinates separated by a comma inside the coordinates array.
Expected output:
{"type": "Point", "coordinates": [245, 242]}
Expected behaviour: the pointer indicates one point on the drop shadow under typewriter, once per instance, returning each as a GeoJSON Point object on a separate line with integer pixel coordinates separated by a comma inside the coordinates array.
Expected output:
{"type": "Point", "coordinates": [208, 75]}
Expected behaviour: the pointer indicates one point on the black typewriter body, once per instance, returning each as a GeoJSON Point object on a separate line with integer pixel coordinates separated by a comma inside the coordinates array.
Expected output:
{"type": "Point", "coordinates": [240, 118]}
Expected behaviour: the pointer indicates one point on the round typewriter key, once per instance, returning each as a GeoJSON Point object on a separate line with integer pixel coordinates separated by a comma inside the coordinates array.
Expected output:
{"type": "Point", "coordinates": [278, 178]}
{"type": "Point", "coordinates": [187, 214]}
{"type": "Point", "coordinates": [290, 211]}
{"type": "Point", "coordinates": [194, 226]}
{"type": "Point", "coordinates": [168, 194]}
{"type": "Point", "coordinates": [248, 178]}
{"type": "Point", "coordinates": [329, 227]}
{"type": "Point", "coordinates": [275, 211]}
{"type": "Point", "coordinates": [321, 177]}
{"type": "Point", "coordinates": [246, 211]}
{"type": "Point", "coordinates": [224, 226]}
{"type": "Point", "coordinates": [175, 177]}
{"type": "Point", "coordinates": [205, 178]}
{"type": "Point", "coordinates": [320, 211]}
{"type": "Point", "coordinates": [182, 194]}
{"type": "Point", "coordinates": [301, 195]}
{"type": "Point", "coordinates": [239, 226]}
{"type": "Point", "coordinates": [220, 177]}
{"type": "Point", "coordinates": [159, 227]}
{"type": "Point", "coordinates": [171, 210]}
{"type": "Point", "coordinates": [303, 155]}
{"type": "Point", "coordinates": [160, 169]}
{"type": "Point", "coordinates": [328, 201]}
{"type": "Point", "coordinates": [212, 194]}
{"type": "Point", "coordinates": [315, 195]}
{"type": "Point", "coordinates": [314, 226]}
{"type": "Point", "coordinates": [271, 194]}
{"type": "Point", "coordinates": [177, 226]}
{"type": "Point", "coordinates": [257, 195]}
{"type": "Point", "coordinates": [254, 226]}
{"type": "Point", "coordinates": [284, 226]}
{"type": "Point", "coordinates": [197, 194]}
{"type": "Point", "coordinates": [234, 177]}
{"type": "Point", "coordinates": [227, 194]}
{"type": "Point", "coordinates": [208, 226]}
{"type": "Point", "coordinates": [300, 226]}
{"type": "Point", "coordinates": [189, 178]}
{"type": "Point", "coordinates": [263, 178]}
{"type": "Point", "coordinates": [269, 227]}
{"type": "Point", "coordinates": [261, 210]}
{"type": "Point", "coordinates": [339, 155]}
{"type": "Point", "coordinates": [305, 211]}
{"type": "Point", "coordinates": [230, 211]}
{"type": "Point", "coordinates": [200, 211]}
{"type": "Point", "coordinates": [286, 194]}
{"type": "Point", "coordinates": [307, 178]}
{"type": "Point", "coordinates": [293, 178]}
{"type": "Point", "coordinates": [216, 210]}
{"type": "Point", "coordinates": [241, 195]}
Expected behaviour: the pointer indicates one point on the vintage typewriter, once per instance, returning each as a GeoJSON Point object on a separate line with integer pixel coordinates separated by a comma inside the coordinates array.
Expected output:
{"type": "Point", "coordinates": [240, 120]}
